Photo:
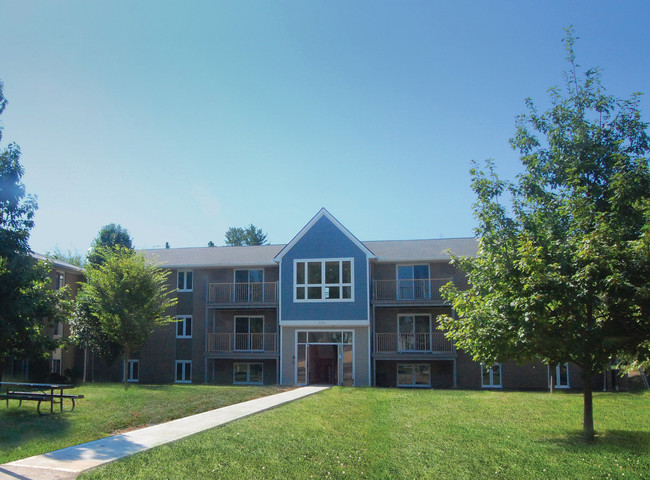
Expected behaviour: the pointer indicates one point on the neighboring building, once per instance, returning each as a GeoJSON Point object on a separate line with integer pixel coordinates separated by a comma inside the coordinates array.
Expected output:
{"type": "Point", "coordinates": [61, 363]}
{"type": "Point", "coordinates": [325, 308]}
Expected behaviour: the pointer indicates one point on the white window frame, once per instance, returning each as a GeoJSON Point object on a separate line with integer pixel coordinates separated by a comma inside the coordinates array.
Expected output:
{"type": "Point", "coordinates": [58, 330]}
{"type": "Point", "coordinates": [323, 285]}
{"type": "Point", "coordinates": [399, 333]}
{"type": "Point", "coordinates": [402, 282]}
{"type": "Point", "coordinates": [248, 373]}
{"type": "Point", "coordinates": [557, 376]}
{"type": "Point", "coordinates": [131, 363]}
{"type": "Point", "coordinates": [56, 362]}
{"type": "Point", "coordinates": [60, 280]}
{"type": "Point", "coordinates": [183, 379]}
{"type": "Point", "coordinates": [412, 384]}
{"type": "Point", "coordinates": [491, 384]}
{"type": "Point", "coordinates": [182, 284]}
{"type": "Point", "coordinates": [182, 323]}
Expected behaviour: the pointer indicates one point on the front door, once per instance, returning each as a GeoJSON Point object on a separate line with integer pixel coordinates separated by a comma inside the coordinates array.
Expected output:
{"type": "Point", "coordinates": [323, 364]}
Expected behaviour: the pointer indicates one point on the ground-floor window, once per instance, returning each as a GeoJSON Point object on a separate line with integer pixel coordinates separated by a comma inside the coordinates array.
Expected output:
{"type": "Point", "coordinates": [56, 365]}
{"type": "Point", "coordinates": [413, 375]}
{"type": "Point", "coordinates": [133, 371]}
{"type": "Point", "coordinates": [491, 377]}
{"type": "Point", "coordinates": [248, 373]}
{"type": "Point", "coordinates": [561, 375]}
{"type": "Point", "coordinates": [183, 371]}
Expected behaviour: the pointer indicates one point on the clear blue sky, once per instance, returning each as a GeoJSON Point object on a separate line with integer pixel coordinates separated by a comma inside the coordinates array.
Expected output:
{"type": "Point", "coordinates": [178, 119]}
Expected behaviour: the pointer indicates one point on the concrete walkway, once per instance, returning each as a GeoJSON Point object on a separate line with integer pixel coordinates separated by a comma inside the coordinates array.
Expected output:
{"type": "Point", "coordinates": [69, 462]}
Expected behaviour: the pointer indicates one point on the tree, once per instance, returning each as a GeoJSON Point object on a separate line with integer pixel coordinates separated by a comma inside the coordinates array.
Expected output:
{"type": "Point", "coordinates": [73, 258]}
{"type": "Point", "coordinates": [109, 236]}
{"type": "Point", "coordinates": [28, 304]}
{"type": "Point", "coordinates": [210, 243]}
{"type": "Point", "coordinates": [562, 272]}
{"type": "Point", "coordinates": [237, 236]}
{"type": "Point", "coordinates": [128, 297]}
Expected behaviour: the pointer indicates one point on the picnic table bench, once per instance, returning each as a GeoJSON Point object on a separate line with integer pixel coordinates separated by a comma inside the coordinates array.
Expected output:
{"type": "Point", "coordinates": [38, 392]}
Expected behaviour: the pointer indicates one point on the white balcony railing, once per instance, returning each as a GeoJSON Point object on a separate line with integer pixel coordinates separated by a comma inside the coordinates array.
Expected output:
{"type": "Point", "coordinates": [412, 342]}
{"type": "Point", "coordinates": [427, 289]}
{"type": "Point", "coordinates": [242, 342]}
{"type": "Point", "coordinates": [261, 292]}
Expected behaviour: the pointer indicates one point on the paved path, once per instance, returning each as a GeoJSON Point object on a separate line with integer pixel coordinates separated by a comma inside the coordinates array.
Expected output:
{"type": "Point", "coordinates": [69, 462]}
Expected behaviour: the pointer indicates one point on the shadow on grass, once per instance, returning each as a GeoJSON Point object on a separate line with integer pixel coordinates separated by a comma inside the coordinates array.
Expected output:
{"type": "Point", "coordinates": [629, 441]}
{"type": "Point", "coordinates": [23, 424]}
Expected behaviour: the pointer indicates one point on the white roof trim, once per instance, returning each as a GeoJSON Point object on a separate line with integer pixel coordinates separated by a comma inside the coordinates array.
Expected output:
{"type": "Point", "coordinates": [324, 213]}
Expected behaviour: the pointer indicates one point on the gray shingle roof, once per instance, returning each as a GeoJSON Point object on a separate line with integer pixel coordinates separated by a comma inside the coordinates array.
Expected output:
{"type": "Point", "coordinates": [57, 263]}
{"type": "Point", "coordinates": [386, 251]}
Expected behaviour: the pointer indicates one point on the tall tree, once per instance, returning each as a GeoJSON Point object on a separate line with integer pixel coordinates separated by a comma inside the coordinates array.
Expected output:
{"type": "Point", "coordinates": [69, 256]}
{"type": "Point", "coordinates": [109, 237]}
{"type": "Point", "coordinates": [237, 236]}
{"type": "Point", "coordinates": [28, 304]}
{"type": "Point", "coordinates": [563, 267]}
{"type": "Point", "coordinates": [128, 297]}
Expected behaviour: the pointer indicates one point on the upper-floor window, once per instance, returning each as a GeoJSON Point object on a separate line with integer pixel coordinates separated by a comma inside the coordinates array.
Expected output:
{"type": "Point", "coordinates": [184, 326]}
{"type": "Point", "coordinates": [413, 282]}
{"type": "Point", "coordinates": [249, 285]}
{"type": "Point", "coordinates": [58, 330]}
{"type": "Point", "coordinates": [185, 281]}
{"type": "Point", "coordinates": [317, 280]}
{"type": "Point", "coordinates": [60, 280]}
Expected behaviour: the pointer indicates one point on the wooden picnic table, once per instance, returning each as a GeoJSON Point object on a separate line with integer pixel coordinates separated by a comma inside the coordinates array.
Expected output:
{"type": "Point", "coordinates": [40, 392]}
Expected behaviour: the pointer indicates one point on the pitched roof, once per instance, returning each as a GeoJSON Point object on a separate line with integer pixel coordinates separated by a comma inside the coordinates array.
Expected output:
{"type": "Point", "coordinates": [196, 257]}
{"type": "Point", "coordinates": [57, 263]}
{"type": "Point", "coordinates": [264, 255]}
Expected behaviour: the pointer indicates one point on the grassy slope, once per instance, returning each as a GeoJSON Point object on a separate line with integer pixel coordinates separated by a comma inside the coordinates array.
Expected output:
{"type": "Point", "coordinates": [388, 434]}
{"type": "Point", "coordinates": [106, 409]}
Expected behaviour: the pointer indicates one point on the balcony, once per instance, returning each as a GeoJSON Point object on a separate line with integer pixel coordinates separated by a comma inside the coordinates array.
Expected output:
{"type": "Point", "coordinates": [243, 293]}
{"type": "Point", "coordinates": [412, 343]}
{"type": "Point", "coordinates": [409, 290]}
{"type": "Point", "coordinates": [243, 342]}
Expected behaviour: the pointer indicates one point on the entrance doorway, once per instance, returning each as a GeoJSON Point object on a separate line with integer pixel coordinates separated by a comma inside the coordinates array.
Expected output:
{"type": "Point", "coordinates": [323, 365]}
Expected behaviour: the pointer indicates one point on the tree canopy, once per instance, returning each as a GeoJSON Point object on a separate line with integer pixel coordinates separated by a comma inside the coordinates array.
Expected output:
{"type": "Point", "coordinates": [127, 298]}
{"type": "Point", "coordinates": [563, 267]}
{"type": "Point", "coordinates": [237, 236]}
{"type": "Point", "coordinates": [28, 304]}
{"type": "Point", "coordinates": [109, 237]}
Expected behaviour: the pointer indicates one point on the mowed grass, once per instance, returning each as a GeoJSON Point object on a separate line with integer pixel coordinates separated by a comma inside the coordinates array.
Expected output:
{"type": "Point", "coordinates": [108, 409]}
{"type": "Point", "coordinates": [412, 434]}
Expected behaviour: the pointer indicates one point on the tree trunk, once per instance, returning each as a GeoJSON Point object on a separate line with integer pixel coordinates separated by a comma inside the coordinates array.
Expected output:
{"type": "Point", "coordinates": [126, 368]}
{"type": "Point", "coordinates": [85, 364]}
{"type": "Point", "coordinates": [588, 416]}
{"type": "Point", "coordinates": [2, 367]}
{"type": "Point", "coordinates": [551, 376]}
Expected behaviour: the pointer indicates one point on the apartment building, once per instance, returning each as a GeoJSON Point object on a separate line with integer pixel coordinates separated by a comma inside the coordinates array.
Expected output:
{"type": "Point", "coordinates": [325, 308]}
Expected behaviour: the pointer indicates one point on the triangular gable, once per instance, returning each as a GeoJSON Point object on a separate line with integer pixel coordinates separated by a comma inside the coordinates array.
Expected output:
{"type": "Point", "coordinates": [324, 213]}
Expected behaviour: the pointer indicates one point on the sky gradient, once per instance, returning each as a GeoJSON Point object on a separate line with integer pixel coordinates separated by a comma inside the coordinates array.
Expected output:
{"type": "Point", "coordinates": [178, 120]}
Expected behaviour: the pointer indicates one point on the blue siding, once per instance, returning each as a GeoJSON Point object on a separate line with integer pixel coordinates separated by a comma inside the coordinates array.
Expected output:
{"type": "Point", "coordinates": [325, 240]}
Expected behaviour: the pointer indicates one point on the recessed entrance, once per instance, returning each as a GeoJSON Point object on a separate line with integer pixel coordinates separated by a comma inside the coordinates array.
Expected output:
{"type": "Point", "coordinates": [323, 364]}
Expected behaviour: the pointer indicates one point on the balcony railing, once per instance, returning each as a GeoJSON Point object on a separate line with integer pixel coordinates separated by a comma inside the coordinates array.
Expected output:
{"type": "Point", "coordinates": [412, 342]}
{"type": "Point", "coordinates": [242, 342]}
{"type": "Point", "coordinates": [262, 292]}
{"type": "Point", "coordinates": [411, 290]}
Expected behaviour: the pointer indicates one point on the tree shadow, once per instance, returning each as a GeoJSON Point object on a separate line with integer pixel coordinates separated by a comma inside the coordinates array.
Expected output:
{"type": "Point", "coordinates": [20, 425]}
{"type": "Point", "coordinates": [635, 442]}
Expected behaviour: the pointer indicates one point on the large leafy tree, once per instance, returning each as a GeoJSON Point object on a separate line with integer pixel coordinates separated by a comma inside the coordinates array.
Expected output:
{"type": "Point", "coordinates": [28, 304]}
{"type": "Point", "coordinates": [109, 237]}
{"type": "Point", "coordinates": [251, 235]}
{"type": "Point", "coordinates": [563, 268]}
{"type": "Point", "coordinates": [127, 297]}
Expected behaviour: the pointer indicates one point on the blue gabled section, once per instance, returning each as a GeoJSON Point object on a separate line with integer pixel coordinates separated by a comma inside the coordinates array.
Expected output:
{"type": "Point", "coordinates": [324, 238]}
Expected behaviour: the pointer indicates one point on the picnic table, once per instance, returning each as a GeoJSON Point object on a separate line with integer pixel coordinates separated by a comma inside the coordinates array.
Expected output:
{"type": "Point", "coordinates": [38, 392]}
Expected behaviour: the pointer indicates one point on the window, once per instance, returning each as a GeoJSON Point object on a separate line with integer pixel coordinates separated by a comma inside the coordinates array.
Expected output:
{"type": "Point", "coordinates": [561, 375]}
{"type": "Point", "coordinates": [183, 371]}
{"type": "Point", "coordinates": [251, 373]}
{"type": "Point", "coordinates": [249, 285]}
{"type": "Point", "coordinates": [249, 333]}
{"type": "Point", "coordinates": [317, 280]}
{"type": "Point", "coordinates": [185, 281]}
{"type": "Point", "coordinates": [56, 365]}
{"type": "Point", "coordinates": [413, 375]}
{"type": "Point", "coordinates": [133, 371]}
{"type": "Point", "coordinates": [414, 332]}
{"type": "Point", "coordinates": [491, 376]}
{"type": "Point", "coordinates": [60, 280]}
{"type": "Point", "coordinates": [58, 330]}
{"type": "Point", "coordinates": [184, 326]}
{"type": "Point", "coordinates": [413, 282]}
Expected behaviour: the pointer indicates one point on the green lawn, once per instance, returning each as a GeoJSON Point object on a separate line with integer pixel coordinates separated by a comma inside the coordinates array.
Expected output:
{"type": "Point", "coordinates": [108, 409]}
{"type": "Point", "coordinates": [413, 434]}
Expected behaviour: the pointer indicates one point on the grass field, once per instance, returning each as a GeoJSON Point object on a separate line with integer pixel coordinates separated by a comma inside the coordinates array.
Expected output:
{"type": "Point", "coordinates": [405, 434]}
{"type": "Point", "coordinates": [107, 409]}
